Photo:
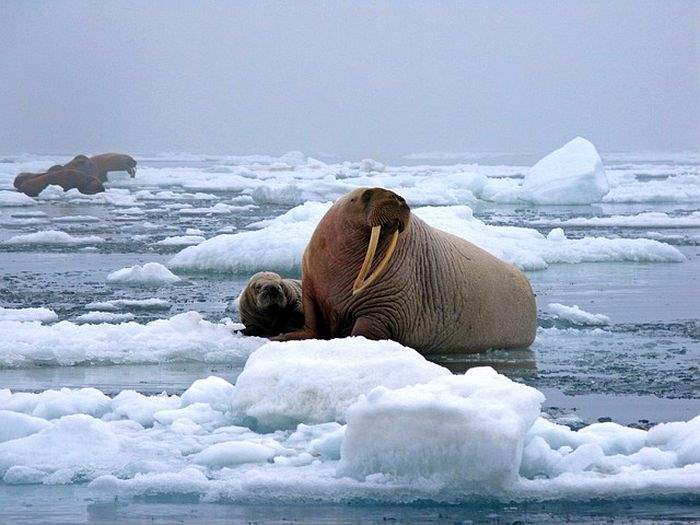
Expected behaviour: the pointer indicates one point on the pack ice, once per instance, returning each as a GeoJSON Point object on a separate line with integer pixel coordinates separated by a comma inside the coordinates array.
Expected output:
{"type": "Point", "coordinates": [349, 420]}
{"type": "Point", "coordinates": [279, 244]}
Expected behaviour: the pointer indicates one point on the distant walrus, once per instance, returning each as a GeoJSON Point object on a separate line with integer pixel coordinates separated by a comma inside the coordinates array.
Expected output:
{"type": "Point", "coordinates": [65, 178]}
{"type": "Point", "coordinates": [79, 163]}
{"type": "Point", "coordinates": [107, 162]}
{"type": "Point", "coordinates": [426, 289]}
{"type": "Point", "coordinates": [270, 305]}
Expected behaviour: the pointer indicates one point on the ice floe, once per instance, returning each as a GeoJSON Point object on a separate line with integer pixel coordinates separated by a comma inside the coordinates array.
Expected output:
{"type": "Point", "coordinates": [181, 240]}
{"type": "Point", "coordinates": [573, 174]}
{"type": "Point", "coordinates": [42, 315]}
{"type": "Point", "coordinates": [53, 237]}
{"type": "Point", "coordinates": [151, 273]}
{"type": "Point", "coordinates": [432, 436]}
{"type": "Point", "coordinates": [125, 304]}
{"type": "Point", "coordinates": [641, 220]}
{"type": "Point", "coordinates": [576, 315]}
{"type": "Point", "coordinates": [14, 198]}
{"type": "Point", "coordinates": [279, 244]}
{"type": "Point", "coordinates": [284, 384]}
{"type": "Point", "coordinates": [104, 317]}
{"type": "Point", "coordinates": [183, 337]}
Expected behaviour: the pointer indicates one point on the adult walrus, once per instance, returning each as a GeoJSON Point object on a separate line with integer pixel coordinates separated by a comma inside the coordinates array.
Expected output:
{"type": "Point", "coordinates": [65, 178]}
{"type": "Point", "coordinates": [270, 305]}
{"type": "Point", "coordinates": [79, 163]}
{"type": "Point", "coordinates": [426, 288]}
{"type": "Point", "coordinates": [107, 162]}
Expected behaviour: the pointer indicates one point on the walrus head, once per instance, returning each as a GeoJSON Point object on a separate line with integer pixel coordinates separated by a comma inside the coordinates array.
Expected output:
{"type": "Point", "coordinates": [268, 291]}
{"type": "Point", "coordinates": [379, 212]}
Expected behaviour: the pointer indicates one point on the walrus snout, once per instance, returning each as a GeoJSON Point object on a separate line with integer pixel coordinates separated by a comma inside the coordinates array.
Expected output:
{"type": "Point", "coordinates": [271, 294]}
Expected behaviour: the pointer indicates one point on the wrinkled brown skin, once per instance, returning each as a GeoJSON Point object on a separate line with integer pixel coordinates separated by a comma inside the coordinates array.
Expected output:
{"type": "Point", "coordinates": [65, 178]}
{"type": "Point", "coordinates": [438, 294]}
{"type": "Point", "coordinates": [107, 162]}
{"type": "Point", "coordinates": [271, 305]}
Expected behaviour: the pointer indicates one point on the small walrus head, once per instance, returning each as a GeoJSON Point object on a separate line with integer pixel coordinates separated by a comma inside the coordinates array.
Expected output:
{"type": "Point", "coordinates": [92, 185]}
{"type": "Point", "coordinates": [267, 290]}
{"type": "Point", "coordinates": [379, 212]}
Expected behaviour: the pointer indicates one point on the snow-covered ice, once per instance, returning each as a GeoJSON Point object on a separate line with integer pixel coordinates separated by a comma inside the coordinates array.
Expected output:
{"type": "Point", "coordinates": [14, 198]}
{"type": "Point", "coordinates": [642, 220]}
{"type": "Point", "coordinates": [181, 240]}
{"type": "Point", "coordinates": [431, 436]}
{"type": "Point", "coordinates": [279, 244]}
{"type": "Point", "coordinates": [284, 384]}
{"type": "Point", "coordinates": [576, 315]}
{"type": "Point", "coordinates": [104, 317]}
{"type": "Point", "coordinates": [573, 174]}
{"type": "Point", "coordinates": [151, 273]}
{"type": "Point", "coordinates": [43, 315]}
{"type": "Point", "coordinates": [183, 337]}
{"type": "Point", "coordinates": [125, 304]}
{"type": "Point", "coordinates": [53, 237]}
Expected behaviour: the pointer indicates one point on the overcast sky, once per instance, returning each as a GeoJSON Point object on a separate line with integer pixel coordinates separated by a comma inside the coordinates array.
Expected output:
{"type": "Point", "coordinates": [347, 78]}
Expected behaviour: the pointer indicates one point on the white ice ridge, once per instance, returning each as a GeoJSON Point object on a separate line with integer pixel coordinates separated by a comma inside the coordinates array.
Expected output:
{"type": "Point", "coordinates": [43, 315]}
{"type": "Point", "coordinates": [14, 198]}
{"type": "Point", "coordinates": [440, 437]}
{"type": "Point", "coordinates": [126, 304]}
{"type": "Point", "coordinates": [641, 220]}
{"type": "Point", "coordinates": [183, 337]}
{"type": "Point", "coordinates": [105, 317]}
{"type": "Point", "coordinates": [181, 240]}
{"type": "Point", "coordinates": [151, 273]}
{"type": "Point", "coordinates": [280, 243]}
{"type": "Point", "coordinates": [577, 316]}
{"type": "Point", "coordinates": [53, 237]}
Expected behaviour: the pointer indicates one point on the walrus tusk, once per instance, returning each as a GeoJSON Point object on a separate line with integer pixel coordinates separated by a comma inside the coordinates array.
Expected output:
{"type": "Point", "coordinates": [361, 282]}
{"type": "Point", "coordinates": [369, 257]}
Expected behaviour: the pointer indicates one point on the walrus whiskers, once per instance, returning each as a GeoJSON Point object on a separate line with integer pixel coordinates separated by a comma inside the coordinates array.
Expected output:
{"type": "Point", "coordinates": [361, 282]}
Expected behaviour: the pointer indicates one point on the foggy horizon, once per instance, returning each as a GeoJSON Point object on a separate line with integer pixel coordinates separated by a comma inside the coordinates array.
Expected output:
{"type": "Point", "coordinates": [348, 80]}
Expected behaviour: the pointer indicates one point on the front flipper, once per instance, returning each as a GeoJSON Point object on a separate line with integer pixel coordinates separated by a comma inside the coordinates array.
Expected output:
{"type": "Point", "coordinates": [370, 328]}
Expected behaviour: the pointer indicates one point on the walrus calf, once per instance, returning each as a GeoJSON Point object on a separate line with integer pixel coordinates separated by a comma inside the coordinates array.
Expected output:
{"type": "Point", "coordinates": [107, 162]}
{"type": "Point", "coordinates": [426, 288]}
{"type": "Point", "coordinates": [65, 178]}
{"type": "Point", "coordinates": [271, 305]}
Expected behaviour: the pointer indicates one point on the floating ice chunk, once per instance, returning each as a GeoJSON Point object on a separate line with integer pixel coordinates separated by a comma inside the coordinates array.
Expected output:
{"type": "Point", "coordinates": [53, 237]}
{"type": "Point", "coordinates": [15, 425]}
{"type": "Point", "coordinates": [575, 315]}
{"type": "Point", "coordinates": [185, 337]}
{"type": "Point", "coordinates": [52, 404]}
{"type": "Point", "coordinates": [181, 240]}
{"type": "Point", "coordinates": [681, 437]}
{"type": "Point", "coordinates": [140, 408]}
{"type": "Point", "coordinates": [370, 165]}
{"type": "Point", "coordinates": [277, 247]}
{"type": "Point", "coordinates": [42, 315]}
{"type": "Point", "coordinates": [213, 390]}
{"type": "Point", "coordinates": [444, 429]}
{"type": "Point", "coordinates": [14, 198]}
{"type": "Point", "coordinates": [641, 220]}
{"type": "Point", "coordinates": [279, 243]}
{"type": "Point", "coordinates": [104, 317]}
{"type": "Point", "coordinates": [200, 413]}
{"type": "Point", "coordinates": [194, 231]}
{"type": "Point", "coordinates": [20, 475]}
{"type": "Point", "coordinates": [218, 209]}
{"type": "Point", "coordinates": [573, 174]}
{"type": "Point", "coordinates": [76, 218]}
{"type": "Point", "coordinates": [150, 274]}
{"type": "Point", "coordinates": [314, 381]}
{"type": "Point", "coordinates": [681, 188]}
{"type": "Point", "coordinates": [121, 304]}
{"type": "Point", "coordinates": [232, 453]}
